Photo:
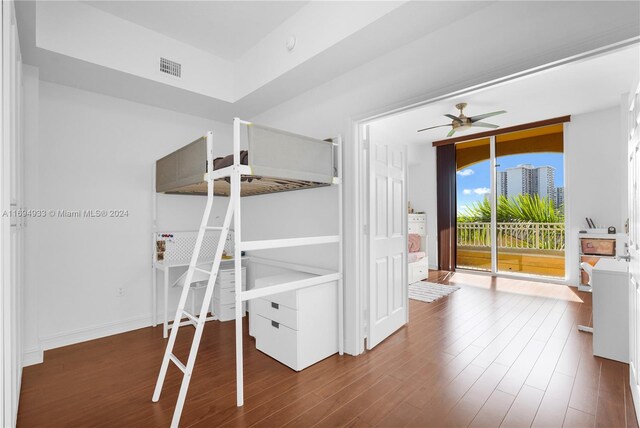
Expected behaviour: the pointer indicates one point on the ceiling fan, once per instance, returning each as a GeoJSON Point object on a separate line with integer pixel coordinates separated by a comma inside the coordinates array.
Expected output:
{"type": "Point", "coordinates": [462, 122]}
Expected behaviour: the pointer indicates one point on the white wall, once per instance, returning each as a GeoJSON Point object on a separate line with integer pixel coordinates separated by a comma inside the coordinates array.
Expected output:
{"type": "Point", "coordinates": [596, 176]}
{"type": "Point", "coordinates": [97, 152]}
{"type": "Point", "coordinates": [421, 191]}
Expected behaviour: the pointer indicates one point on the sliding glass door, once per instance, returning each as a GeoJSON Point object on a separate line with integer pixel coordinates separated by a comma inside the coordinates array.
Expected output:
{"type": "Point", "coordinates": [510, 192]}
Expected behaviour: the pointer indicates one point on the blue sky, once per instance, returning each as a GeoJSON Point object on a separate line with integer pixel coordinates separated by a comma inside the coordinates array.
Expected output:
{"type": "Point", "coordinates": [474, 182]}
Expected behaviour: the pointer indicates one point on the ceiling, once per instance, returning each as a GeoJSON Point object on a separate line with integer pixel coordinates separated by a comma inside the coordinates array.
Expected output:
{"type": "Point", "coordinates": [235, 62]}
{"type": "Point", "coordinates": [226, 29]}
{"type": "Point", "coordinates": [589, 85]}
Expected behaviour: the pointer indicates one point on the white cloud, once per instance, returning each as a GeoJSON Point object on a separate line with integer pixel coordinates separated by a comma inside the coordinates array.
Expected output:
{"type": "Point", "coordinates": [477, 191]}
{"type": "Point", "coordinates": [481, 190]}
{"type": "Point", "coordinates": [465, 172]}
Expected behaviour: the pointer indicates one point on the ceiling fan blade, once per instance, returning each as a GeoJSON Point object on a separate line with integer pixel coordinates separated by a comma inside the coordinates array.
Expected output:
{"type": "Point", "coordinates": [484, 116]}
{"type": "Point", "coordinates": [456, 118]}
{"type": "Point", "coordinates": [451, 132]}
{"type": "Point", "coordinates": [485, 125]}
{"type": "Point", "coordinates": [432, 127]}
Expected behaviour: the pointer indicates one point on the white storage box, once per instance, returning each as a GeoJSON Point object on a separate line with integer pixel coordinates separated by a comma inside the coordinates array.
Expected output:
{"type": "Point", "coordinates": [297, 328]}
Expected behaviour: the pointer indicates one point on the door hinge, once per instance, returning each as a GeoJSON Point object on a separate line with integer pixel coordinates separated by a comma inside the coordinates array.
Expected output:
{"type": "Point", "coordinates": [365, 229]}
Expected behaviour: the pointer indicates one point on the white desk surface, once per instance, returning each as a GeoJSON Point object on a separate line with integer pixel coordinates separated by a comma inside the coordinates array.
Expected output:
{"type": "Point", "coordinates": [611, 265]}
{"type": "Point", "coordinates": [184, 263]}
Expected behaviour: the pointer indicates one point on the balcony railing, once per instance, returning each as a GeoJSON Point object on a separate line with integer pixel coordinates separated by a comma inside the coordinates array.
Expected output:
{"type": "Point", "coordinates": [536, 236]}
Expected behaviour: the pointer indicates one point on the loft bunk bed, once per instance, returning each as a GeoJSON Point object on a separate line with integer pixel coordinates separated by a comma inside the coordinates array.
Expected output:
{"type": "Point", "coordinates": [276, 161]}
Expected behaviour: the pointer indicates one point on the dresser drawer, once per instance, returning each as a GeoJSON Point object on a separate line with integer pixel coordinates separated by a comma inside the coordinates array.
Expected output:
{"type": "Point", "coordinates": [418, 228]}
{"type": "Point", "coordinates": [289, 298]}
{"type": "Point", "coordinates": [277, 340]}
{"type": "Point", "coordinates": [224, 312]}
{"type": "Point", "coordinates": [600, 247]}
{"type": "Point", "coordinates": [417, 217]}
{"type": "Point", "coordinates": [227, 278]}
{"type": "Point", "coordinates": [420, 270]}
{"type": "Point", "coordinates": [275, 312]}
{"type": "Point", "coordinates": [225, 295]}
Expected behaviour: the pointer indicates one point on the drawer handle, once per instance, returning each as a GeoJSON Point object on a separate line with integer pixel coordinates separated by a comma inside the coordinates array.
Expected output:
{"type": "Point", "coordinates": [275, 305]}
{"type": "Point", "coordinates": [275, 324]}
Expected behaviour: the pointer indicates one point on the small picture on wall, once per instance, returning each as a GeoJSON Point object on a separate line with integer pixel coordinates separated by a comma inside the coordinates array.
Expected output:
{"type": "Point", "coordinates": [161, 247]}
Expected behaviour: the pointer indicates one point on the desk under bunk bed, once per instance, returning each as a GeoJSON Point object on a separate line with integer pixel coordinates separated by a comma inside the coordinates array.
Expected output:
{"type": "Point", "coordinates": [274, 161]}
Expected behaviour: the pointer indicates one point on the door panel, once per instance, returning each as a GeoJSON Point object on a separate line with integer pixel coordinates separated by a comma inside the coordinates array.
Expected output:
{"type": "Point", "coordinates": [633, 189]}
{"type": "Point", "coordinates": [388, 298]}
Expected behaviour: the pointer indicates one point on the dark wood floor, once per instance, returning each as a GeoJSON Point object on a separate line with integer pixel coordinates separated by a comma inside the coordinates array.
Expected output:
{"type": "Point", "coordinates": [497, 352]}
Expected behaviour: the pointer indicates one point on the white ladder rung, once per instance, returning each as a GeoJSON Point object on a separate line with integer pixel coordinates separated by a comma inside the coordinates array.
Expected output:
{"type": "Point", "coordinates": [190, 316]}
{"type": "Point", "coordinates": [213, 228]}
{"type": "Point", "coordinates": [177, 362]}
{"type": "Point", "coordinates": [203, 271]}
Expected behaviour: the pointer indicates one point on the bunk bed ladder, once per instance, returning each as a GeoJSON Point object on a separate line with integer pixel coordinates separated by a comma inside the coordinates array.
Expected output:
{"type": "Point", "coordinates": [200, 319]}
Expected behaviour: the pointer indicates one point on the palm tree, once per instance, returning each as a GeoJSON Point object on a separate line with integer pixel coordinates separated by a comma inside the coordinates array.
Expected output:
{"type": "Point", "coordinates": [521, 208]}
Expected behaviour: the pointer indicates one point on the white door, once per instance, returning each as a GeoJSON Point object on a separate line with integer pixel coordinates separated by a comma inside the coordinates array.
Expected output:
{"type": "Point", "coordinates": [633, 129]}
{"type": "Point", "coordinates": [388, 302]}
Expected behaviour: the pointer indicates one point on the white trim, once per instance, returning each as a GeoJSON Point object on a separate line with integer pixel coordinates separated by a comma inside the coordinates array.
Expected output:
{"type": "Point", "coordinates": [635, 392]}
{"type": "Point", "coordinates": [292, 266]}
{"type": "Point", "coordinates": [94, 332]}
{"type": "Point", "coordinates": [288, 286]}
{"type": "Point", "coordinates": [570, 244]}
{"type": "Point", "coordinates": [290, 242]}
{"type": "Point", "coordinates": [493, 170]}
{"type": "Point", "coordinates": [32, 357]}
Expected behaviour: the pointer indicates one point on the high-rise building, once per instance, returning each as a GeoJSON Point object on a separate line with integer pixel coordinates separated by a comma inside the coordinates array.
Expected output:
{"type": "Point", "coordinates": [501, 183]}
{"type": "Point", "coordinates": [526, 179]}
{"type": "Point", "coordinates": [559, 197]}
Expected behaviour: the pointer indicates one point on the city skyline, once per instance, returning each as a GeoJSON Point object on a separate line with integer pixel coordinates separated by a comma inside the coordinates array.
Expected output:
{"type": "Point", "coordinates": [473, 182]}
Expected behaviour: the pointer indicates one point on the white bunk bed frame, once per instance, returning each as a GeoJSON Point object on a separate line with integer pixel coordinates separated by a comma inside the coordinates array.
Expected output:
{"type": "Point", "coordinates": [235, 173]}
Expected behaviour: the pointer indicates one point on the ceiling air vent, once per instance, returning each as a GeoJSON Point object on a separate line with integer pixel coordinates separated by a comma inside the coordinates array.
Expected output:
{"type": "Point", "coordinates": [171, 68]}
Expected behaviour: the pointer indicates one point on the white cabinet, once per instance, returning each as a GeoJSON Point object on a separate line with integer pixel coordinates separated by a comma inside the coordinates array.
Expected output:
{"type": "Point", "coordinates": [297, 328]}
{"type": "Point", "coordinates": [418, 269]}
{"type": "Point", "coordinates": [611, 309]}
{"type": "Point", "coordinates": [224, 294]}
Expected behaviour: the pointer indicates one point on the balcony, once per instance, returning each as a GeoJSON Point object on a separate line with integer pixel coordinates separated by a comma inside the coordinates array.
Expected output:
{"type": "Point", "coordinates": [522, 247]}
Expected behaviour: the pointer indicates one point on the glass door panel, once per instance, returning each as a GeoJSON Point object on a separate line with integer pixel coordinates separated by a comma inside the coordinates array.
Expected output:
{"type": "Point", "coordinates": [473, 191]}
{"type": "Point", "coordinates": [529, 189]}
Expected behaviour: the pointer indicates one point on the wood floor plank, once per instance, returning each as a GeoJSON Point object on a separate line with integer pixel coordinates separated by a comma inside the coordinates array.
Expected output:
{"type": "Point", "coordinates": [493, 411]}
{"type": "Point", "coordinates": [470, 404]}
{"type": "Point", "coordinates": [524, 408]}
{"type": "Point", "coordinates": [553, 407]}
{"type": "Point", "coordinates": [577, 419]}
{"type": "Point", "coordinates": [519, 371]}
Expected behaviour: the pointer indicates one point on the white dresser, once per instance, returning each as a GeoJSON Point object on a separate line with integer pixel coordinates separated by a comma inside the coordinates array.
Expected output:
{"type": "Point", "coordinates": [297, 328]}
{"type": "Point", "coordinates": [223, 304]}
{"type": "Point", "coordinates": [419, 269]}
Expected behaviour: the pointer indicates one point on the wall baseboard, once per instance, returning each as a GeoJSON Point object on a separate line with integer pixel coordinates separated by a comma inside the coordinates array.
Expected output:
{"type": "Point", "coordinates": [635, 392]}
{"type": "Point", "coordinates": [94, 332]}
{"type": "Point", "coordinates": [32, 356]}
